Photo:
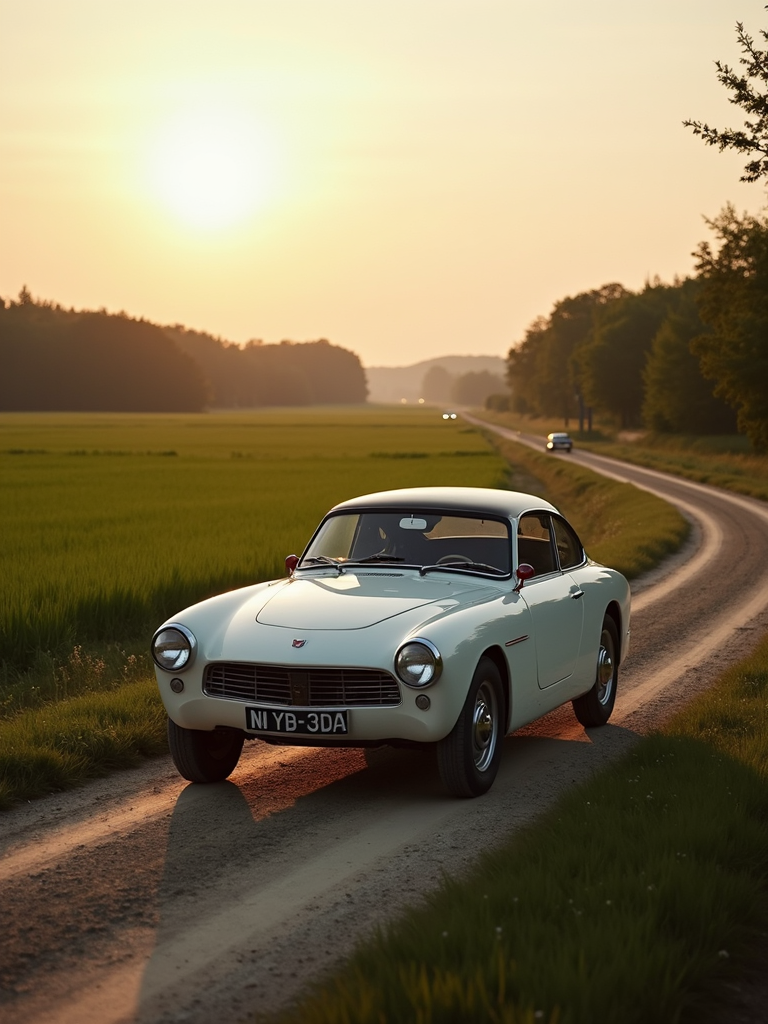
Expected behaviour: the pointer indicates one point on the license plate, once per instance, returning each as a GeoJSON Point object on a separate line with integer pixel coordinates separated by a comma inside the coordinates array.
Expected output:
{"type": "Point", "coordinates": [298, 723]}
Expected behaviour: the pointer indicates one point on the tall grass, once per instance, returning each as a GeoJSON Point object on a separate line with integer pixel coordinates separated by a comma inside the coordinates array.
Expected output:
{"type": "Point", "coordinates": [724, 461]}
{"type": "Point", "coordinates": [627, 903]}
{"type": "Point", "coordinates": [721, 462]}
{"type": "Point", "coordinates": [111, 523]}
{"type": "Point", "coordinates": [114, 523]}
{"type": "Point", "coordinates": [59, 745]}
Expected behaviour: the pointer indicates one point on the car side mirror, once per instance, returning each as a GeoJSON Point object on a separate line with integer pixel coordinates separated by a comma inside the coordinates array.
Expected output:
{"type": "Point", "coordinates": [524, 572]}
{"type": "Point", "coordinates": [291, 562]}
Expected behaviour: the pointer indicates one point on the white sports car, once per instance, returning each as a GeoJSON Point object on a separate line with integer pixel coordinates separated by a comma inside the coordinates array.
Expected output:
{"type": "Point", "coordinates": [440, 616]}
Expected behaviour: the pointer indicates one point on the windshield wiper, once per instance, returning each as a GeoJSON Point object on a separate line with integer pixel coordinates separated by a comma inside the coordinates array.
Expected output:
{"type": "Point", "coordinates": [322, 560]}
{"type": "Point", "coordinates": [377, 558]}
{"type": "Point", "coordinates": [477, 566]}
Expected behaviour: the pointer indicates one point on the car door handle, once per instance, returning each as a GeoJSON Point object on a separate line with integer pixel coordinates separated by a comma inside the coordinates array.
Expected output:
{"type": "Point", "coordinates": [576, 594]}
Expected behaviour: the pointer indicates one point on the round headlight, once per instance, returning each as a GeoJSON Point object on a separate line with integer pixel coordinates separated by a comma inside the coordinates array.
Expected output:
{"type": "Point", "coordinates": [173, 648]}
{"type": "Point", "coordinates": [418, 663]}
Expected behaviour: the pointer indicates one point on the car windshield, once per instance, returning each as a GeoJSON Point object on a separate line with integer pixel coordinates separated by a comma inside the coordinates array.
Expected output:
{"type": "Point", "coordinates": [410, 537]}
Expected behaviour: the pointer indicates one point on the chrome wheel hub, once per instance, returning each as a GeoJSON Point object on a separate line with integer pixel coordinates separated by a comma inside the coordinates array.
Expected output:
{"type": "Point", "coordinates": [484, 727]}
{"type": "Point", "coordinates": [605, 669]}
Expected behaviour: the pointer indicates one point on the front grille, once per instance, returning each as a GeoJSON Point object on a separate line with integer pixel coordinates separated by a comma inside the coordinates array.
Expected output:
{"type": "Point", "coordinates": [311, 687]}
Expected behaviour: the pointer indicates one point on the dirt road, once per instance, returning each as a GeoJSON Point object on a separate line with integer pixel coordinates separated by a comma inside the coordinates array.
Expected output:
{"type": "Point", "coordinates": [141, 898]}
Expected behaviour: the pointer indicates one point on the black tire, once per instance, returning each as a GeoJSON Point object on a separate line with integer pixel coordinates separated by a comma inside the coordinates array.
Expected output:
{"type": "Point", "coordinates": [468, 758]}
{"type": "Point", "coordinates": [204, 756]}
{"type": "Point", "coordinates": [595, 706]}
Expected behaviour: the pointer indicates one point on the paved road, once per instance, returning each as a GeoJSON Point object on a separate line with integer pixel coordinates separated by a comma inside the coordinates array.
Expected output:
{"type": "Point", "coordinates": [143, 899]}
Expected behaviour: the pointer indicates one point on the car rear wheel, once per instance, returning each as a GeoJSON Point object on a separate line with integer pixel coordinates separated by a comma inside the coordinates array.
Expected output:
{"type": "Point", "coordinates": [204, 756]}
{"type": "Point", "coordinates": [595, 706]}
{"type": "Point", "coordinates": [468, 758]}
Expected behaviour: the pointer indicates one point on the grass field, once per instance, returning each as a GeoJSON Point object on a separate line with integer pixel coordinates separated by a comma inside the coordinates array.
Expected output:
{"type": "Point", "coordinates": [114, 523]}
{"type": "Point", "coordinates": [111, 523]}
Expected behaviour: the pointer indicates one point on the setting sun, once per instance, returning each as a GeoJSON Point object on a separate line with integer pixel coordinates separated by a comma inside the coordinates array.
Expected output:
{"type": "Point", "coordinates": [212, 168]}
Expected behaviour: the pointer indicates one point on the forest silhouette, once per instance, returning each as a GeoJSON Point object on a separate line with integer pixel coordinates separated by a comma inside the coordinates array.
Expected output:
{"type": "Point", "coordinates": [54, 359]}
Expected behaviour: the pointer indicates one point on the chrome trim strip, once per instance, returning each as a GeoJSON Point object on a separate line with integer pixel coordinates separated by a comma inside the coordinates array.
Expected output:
{"type": "Point", "coordinates": [518, 640]}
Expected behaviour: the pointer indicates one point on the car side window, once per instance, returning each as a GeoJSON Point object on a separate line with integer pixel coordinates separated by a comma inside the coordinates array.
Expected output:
{"type": "Point", "coordinates": [569, 548]}
{"type": "Point", "coordinates": [534, 542]}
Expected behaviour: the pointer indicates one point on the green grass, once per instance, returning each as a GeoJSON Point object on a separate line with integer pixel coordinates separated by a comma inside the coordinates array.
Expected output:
{"type": "Point", "coordinates": [112, 523]}
{"type": "Point", "coordinates": [726, 461]}
{"type": "Point", "coordinates": [62, 744]}
{"type": "Point", "coordinates": [107, 533]}
{"type": "Point", "coordinates": [628, 903]}
{"type": "Point", "coordinates": [716, 461]}
{"type": "Point", "coordinates": [102, 547]}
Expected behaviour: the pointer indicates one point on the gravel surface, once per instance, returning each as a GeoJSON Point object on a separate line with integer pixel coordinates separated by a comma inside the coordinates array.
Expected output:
{"type": "Point", "coordinates": [141, 898]}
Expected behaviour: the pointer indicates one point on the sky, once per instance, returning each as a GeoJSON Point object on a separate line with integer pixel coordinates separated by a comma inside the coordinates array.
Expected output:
{"type": "Point", "coordinates": [407, 178]}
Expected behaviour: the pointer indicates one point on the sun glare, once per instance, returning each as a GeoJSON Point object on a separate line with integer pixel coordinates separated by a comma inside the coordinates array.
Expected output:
{"type": "Point", "coordinates": [212, 168]}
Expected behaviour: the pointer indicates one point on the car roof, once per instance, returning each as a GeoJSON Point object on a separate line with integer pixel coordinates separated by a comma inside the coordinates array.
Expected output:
{"type": "Point", "coordinates": [558, 433]}
{"type": "Point", "coordinates": [492, 501]}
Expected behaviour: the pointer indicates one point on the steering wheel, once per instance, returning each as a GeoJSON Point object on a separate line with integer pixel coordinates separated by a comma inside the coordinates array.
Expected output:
{"type": "Point", "coordinates": [446, 559]}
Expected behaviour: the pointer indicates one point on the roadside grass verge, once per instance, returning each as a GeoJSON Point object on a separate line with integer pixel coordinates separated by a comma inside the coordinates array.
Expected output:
{"type": "Point", "coordinates": [705, 460]}
{"type": "Point", "coordinates": [723, 461]}
{"type": "Point", "coordinates": [619, 525]}
{"type": "Point", "coordinates": [62, 744]}
{"type": "Point", "coordinates": [630, 901]}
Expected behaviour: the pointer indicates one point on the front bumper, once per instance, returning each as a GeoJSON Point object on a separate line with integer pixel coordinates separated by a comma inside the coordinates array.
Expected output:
{"type": "Point", "coordinates": [195, 709]}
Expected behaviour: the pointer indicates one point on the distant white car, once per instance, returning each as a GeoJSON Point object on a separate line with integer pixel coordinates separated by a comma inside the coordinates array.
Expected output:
{"type": "Point", "coordinates": [559, 442]}
{"type": "Point", "coordinates": [443, 617]}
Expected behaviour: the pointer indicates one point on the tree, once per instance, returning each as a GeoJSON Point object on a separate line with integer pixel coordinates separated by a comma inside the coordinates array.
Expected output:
{"type": "Point", "coordinates": [734, 305]}
{"type": "Point", "coordinates": [522, 368]}
{"type": "Point", "coordinates": [291, 373]}
{"type": "Point", "coordinates": [53, 359]}
{"type": "Point", "coordinates": [544, 371]}
{"type": "Point", "coordinates": [437, 384]}
{"type": "Point", "coordinates": [677, 397]}
{"type": "Point", "coordinates": [750, 92]}
{"type": "Point", "coordinates": [473, 388]}
{"type": "Point", "coordinates": [613, 358]}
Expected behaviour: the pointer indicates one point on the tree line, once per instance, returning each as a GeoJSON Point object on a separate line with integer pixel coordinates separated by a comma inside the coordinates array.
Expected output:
{"type": "Point", "coordinates": [471, 388]}
{"type": "Point", "coordinates": [58, 359]}
{"type": "Point", "coordinates": [691, 357]}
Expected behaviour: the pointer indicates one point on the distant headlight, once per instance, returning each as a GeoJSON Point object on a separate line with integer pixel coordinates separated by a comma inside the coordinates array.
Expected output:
{"type": "Point", "coordinates": [418, 663]}
{"type": "Point", "coordinates": [173, 648]}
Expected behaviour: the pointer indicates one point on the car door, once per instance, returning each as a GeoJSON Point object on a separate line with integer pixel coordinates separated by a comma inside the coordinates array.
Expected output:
{"type": "Point", "coordinates": [553, 597]}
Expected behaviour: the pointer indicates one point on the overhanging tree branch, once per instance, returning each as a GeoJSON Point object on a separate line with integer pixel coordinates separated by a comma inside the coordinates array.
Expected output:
{"type": "Point", "coordinates": [750, 92]}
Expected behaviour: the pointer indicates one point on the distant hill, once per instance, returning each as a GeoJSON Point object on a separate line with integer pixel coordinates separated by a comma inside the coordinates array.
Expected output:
{"type": "Point", "coordinates": [388, 384]}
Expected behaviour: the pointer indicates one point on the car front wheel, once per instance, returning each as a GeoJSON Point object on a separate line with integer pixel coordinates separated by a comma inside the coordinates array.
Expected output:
{"type": "Point", "coordinates": [468, 758]}
{"type": "Point", "coordinates": [204, 756]}
{"type": "Point", "coordinates": [595, 706]}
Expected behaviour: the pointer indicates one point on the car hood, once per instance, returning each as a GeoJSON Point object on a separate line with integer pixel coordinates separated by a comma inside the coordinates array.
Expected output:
{"type": "Point", "coordinates": [356, 601]}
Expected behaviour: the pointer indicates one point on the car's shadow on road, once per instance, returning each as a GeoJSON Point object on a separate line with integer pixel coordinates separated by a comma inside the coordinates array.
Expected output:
{"type": "Point", "coordinates": [231, 840]}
